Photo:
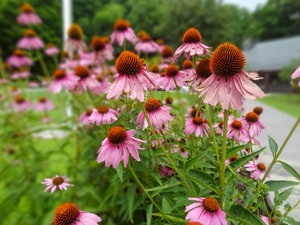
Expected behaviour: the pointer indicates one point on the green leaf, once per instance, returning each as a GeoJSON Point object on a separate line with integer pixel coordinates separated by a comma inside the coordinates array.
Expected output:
{"type": "Point", "coordinates": [149, 211]}
{"type": "Point", "coordinates": [290, 169]}
{"type": "Point", "coordinates": [166, 207]}
{"type": "Point", "coordinates": [234, 150]}
{"type": "Point", "coordinates": [273, 145]}
{"type": "Point", "coordinates": [204, 180]}
{"type": "Point", "coordinates": [285, 194]}
{"type": "Point", "coordinates": [163, 187]}
{"type": "Point", "coordinates": [241, 161]}
{"type": "Point", "coordinates": [291, 221]}
{"type": "Point", "coordinates": [130, 199]}
{"type": "Point", "coordinates": [190, 163]}
{"type": "Point", "coordinates": [171, 218]}
{"type": "Point", "coordinates": [275, 185]}
{"type": "Point", "coordinates": [119, 170]}
{"type": "Point", "coordinates": [237, 212]}
{"type": "Point", "coordinates": [156, 177]}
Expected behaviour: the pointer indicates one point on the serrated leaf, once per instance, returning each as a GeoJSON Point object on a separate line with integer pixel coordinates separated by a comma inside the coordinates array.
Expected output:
{"type": "Point", "coordinates": [166, 207]}
{"type": "Point", "coordinates": [156, 177]}
{"type": "Point", "coordinates": [273, 145]}
{"type": "Point", "coordinates": [149, 211]}
{"type": "Point", "coordinates": [237, 212]}
{"type": "Point", "coordinates": [290, 169]}
{"type": "Point", "coordinates": [190, 163]}
{"type": "Point", "coordinates": [276, 185]}
{"type": "Point", "coordinates": [204, 180]}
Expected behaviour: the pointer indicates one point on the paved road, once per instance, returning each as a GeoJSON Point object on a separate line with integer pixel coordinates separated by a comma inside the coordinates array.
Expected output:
{"type": "Point", "coordinates": [277, 125]}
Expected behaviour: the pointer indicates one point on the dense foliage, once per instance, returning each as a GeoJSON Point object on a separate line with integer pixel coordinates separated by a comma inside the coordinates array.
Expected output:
{"type": "Point", "coordinates": [167, 19]}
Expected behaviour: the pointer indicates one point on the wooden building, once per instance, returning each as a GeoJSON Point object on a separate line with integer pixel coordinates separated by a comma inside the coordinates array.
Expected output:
{"type": "Point", "coordinates": [269, 57]}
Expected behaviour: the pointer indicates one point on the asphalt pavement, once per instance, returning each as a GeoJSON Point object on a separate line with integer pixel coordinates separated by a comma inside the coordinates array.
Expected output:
{"type": "Point", "coordinates": [277, 125]}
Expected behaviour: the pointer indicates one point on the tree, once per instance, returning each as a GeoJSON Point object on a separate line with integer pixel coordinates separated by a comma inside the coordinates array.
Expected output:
{"type": "Point", "coordinates": [145, 15]}
{"type": "Point", "coordinates": [49, 31]}
{"type": "Point", "coordinates": [104, 18]}
{"type": "Point", "coordinates": [277, 18]}
{"type": "Point", "coordinates": [216, 22]}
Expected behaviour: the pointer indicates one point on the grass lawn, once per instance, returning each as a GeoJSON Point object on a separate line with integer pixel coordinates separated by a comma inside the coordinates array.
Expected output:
{"type": "Point", "coordinates": [288, 103]}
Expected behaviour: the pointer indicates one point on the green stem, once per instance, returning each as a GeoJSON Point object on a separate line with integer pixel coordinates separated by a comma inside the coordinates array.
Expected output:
{"type": "Point", "coordinates": [296, 124]}
{"type": "Point", "coordinates": [3, 74]}
{"type": "Point", "coordinates": [171, 218]}
{"type": "Point", "coordinates": [139, 183]}
{"type": "Point", "coordinates": [55, 59]}
{"type": "Point", "coordinates": [288, 211]}
{"type": "Point", "coordinates": [43, 65]}
{"type": "Point", "coordinates": [181, 177]}
{"type": "Point", "coordinates": [213, 135]}
{"type": "Point", "coordinates": [223, 158]}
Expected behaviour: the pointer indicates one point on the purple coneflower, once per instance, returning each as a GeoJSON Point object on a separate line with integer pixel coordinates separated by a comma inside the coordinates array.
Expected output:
{"type": "Point", "coordinates": [194, 223]}
{"type": "Point", "coordinates": [43, 104]}
{"type": "Point", "coordinates": [154, 72]}
{"type": "Point", "coordinates": [167, 54]}
{"type": "Point", "coordinates": [188, 69]}
{"type": "Point", "coordinates": [19, 59]}
{"type": "Point", "coordinates": [62, 80]}
{"type": "Point", "coordinates": [84, 117]}
{"type": "Point", "coordinates": [231, 159]}
{"type": "Point", "coordinates": [146, 45]}
{"type": "Point", "coordinates": [158, 115]}
{"type": "Point", "coordinates": [117, 146]}
{"type": "Point", "coordinates": [28, 16]}
{"type": "Point", "coordinates": [267, 220]}
{"type": "Point", "coordinates": [166, 171]}
{"type": "Point", "coordinates": [205, 211]}
{"type": "Point", "coordinates": [252, 123]}
{"type": "Point", "coordinates": [74, 43]}
{"type": "Point", "coordinates": [131, 78]}
{"type": "Point", "coordinates": [70, 214]}
{"type": "Point", "coordinates": [201, 73]}
{"type": "Point", "coordinates": [171, 78]}
{"type": "Point", "coordinates": [197, 126]}
{"type": "Point", "coordinates": [102, 50]}
{"type": "Point", "coordinates": [122, 32]}
{"type": "Point", "coordinates": [237, 130]}
{"type": "Point", "coordinates": [86, 80]}
{"type": "Point", "coordinates": [103, 115]}
{"type": "Point", "coordinates": [20, 73]}
{"type": "Point", "coordinates": [296, 74]}
{"type": "Point", "coordinates": [161, 44]}
{"type": "Point", "coordinates": [219, 127]}
{"type": "Point", "coordinates": [21, 104]}
{"type": "Point", "coordinates": [60, 182]}
{"type": "Point", "coordinates": [102, 86]}
{"type": "Point", "coordinates": [30, 41]}
{"type": "Point", "coordinates": [229, 83]}
{"type": "Point", "coordinates": [257, 169]}
{"type": "Point", "coordinates": [191, 45]}
{"type": "Point", "coordinates": [33, 84]}
{"type": "Point", "coordinates": [76, 59]}
{"type": "Point", "coordinates": [51, 50]}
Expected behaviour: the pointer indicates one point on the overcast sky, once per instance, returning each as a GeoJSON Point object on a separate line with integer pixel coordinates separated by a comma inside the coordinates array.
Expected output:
{"type": "Point", "coordinates": [249, 4]}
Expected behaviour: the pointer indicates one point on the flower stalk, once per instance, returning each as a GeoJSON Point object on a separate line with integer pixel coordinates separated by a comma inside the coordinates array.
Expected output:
{"type": "Point", "coordinates": [286, 140]}
{"type": "Point", "coordinates": [223, 158]}
{"type": "Point", "coordinates": [191, 192]}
